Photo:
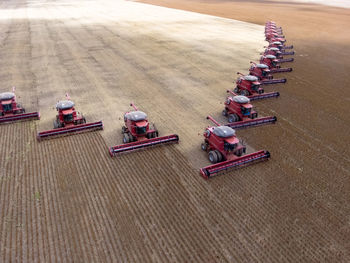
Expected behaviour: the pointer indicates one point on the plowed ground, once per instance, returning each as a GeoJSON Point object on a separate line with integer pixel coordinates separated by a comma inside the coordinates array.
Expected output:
{"type": "Point", "coordinates": [66, 199]}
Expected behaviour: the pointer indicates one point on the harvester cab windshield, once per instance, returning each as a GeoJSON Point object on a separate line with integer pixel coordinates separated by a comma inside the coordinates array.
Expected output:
{"type": "Point", "coordinates": [6, 105]}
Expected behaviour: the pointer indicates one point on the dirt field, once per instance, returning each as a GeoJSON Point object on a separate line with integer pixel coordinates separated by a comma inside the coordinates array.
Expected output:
{"type": "Point", "coordinates": [67, 200]}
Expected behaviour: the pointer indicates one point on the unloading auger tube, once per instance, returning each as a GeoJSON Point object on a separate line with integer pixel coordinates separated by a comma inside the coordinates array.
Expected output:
{"type": "Point", "coordinates": [69, 130]}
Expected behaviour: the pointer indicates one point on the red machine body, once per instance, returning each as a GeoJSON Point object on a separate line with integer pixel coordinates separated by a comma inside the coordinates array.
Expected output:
{"type": "Point", "coordinates": [137, 133]}
{"type": "Point", "coordinates": [274, 64]}
{"type": "Point", "coordinates": [225, 150]}
{"type": "Point", "coordinates": [247, 85]}
{"type": "Point", "coordinates": [238, 108]}
{"type": "Point", "coordinates": [240, 113]}
{"type": "Point", "coordinates": [262, 72]}
{"type": "Point", "coordinates": [137, 127]}
{"type": "Point", "coordinates": [67, 115]}
{"type": "Point", "coordinates": [279, 45]}
{"type": "Point", "coordinates": [11, 111]}
{"type": "Point", "coordinates": [68, 121]}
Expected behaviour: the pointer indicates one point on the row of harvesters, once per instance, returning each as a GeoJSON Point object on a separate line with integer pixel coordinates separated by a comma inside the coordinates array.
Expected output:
{"type": "Point", "coordinates": [67, 121]}
{"type": "Point", "coordinates": [137, 132]}
{"type": "Point", "coordinates": [224, 149]}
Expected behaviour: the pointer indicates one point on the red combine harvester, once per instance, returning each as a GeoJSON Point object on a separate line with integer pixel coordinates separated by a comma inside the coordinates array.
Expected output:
{"type": "Point", "coordinates": [262, 72]}
{"type": "Point", "coordinates": [273, 63]}
{"type": "Point", "coordinates": [137, 133]}
{"type": "Point", "coordinates": [69, 121]}
{"type": "Point", "coordinates": [225, 151]}
{"type": "Point", "coordinates": [240, 113]}
{"type": "Point", "coordinates": [249, 86]}
{"type": "Point", "coordinates": [281, 47]}
{"type": "Point", "coordinates": [277, 52]}
{"type": "Point", "coordinates": [11, 111]}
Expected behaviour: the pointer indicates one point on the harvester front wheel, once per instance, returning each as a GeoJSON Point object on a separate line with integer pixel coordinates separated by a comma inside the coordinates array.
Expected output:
{"type": "Point", "coordinates": [126, 138]}
{"type": "Point", "coordinates": [56, 124]}
{"type": "Point", "coordinates": [219, 155]}
{"type": "Point", "coordinates": [244, 92]}
{"type": "Point", "coordinates": [131, 138]}
{"type": "Point", "coordinates": [213, 157]}
{"type": "Point", "coordinates": [233, 118]}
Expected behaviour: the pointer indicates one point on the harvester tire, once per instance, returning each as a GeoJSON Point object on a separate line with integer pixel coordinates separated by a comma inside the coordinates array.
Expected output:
{"type": "Point", "coordinates": [204, 146]}
{"type": "Point", "coordinates": [245, 92]}
{"type": "Point", "coordinates": [131, 138]}
{"type": "Point", "coordinates": [233, 118]}
{"type": "Point", "coordinates": [224, 113]}
{"type": "Point", "coordinates": [56, 124]}
{"type": "Point", "coordinates": [126, 138]}
{"type": "Point", "coordinates": [219, 155]}
{"type": "Point", "coordinates": [213, 157]}
{"type": "Point", "coordinates": [236, 90]}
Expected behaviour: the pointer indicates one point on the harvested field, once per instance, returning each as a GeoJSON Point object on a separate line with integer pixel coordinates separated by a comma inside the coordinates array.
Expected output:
{"type": "Point", "coordinates": [65, 199]}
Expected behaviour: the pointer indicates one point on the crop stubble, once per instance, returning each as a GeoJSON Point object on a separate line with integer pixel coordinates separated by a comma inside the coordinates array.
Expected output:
{"type": "Point", "coordinates": [66, 199]}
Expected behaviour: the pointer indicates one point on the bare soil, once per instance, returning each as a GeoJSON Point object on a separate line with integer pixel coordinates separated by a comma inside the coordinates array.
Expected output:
{"type": "Point", "coordinates": [66, 199]}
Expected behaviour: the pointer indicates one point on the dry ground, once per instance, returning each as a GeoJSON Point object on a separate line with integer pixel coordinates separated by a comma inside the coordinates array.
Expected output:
{"type": "Point", "coordinates": [67, 200]}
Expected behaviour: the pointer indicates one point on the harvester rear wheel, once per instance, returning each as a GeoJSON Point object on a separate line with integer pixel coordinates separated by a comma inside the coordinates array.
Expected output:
{"type": "Point", "coordinates": [236, 90]}
{"type": "Point", "coordinates": [204, 146]}
{"type": "Point", "coordinates": [126, 138]}
{"type": "Point", "coordinates": [213, 157]}
{"type": "Point", "coordinates": [224, 112]}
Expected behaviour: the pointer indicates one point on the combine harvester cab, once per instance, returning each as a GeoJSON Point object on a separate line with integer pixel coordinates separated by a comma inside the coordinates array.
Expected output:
{"type": "Point", "coordinates": [240, 113]}
{"type": "Point", "coordinates": [137, 134]}
{"type": "Point", "coordinates": [279, 45]}
{"type": "Point", "coordinates": [69, 121]}
{"type": "Point", "coordinates": [273, 63]}
{"type": "Point", "coordinates": [249, 86]}
{"type": "Point", "coordinates": [225, 151]}
{"type": "Point", "coordinates": [262, 72]}
{"type": "Point", "coordinates": [11, 111]}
